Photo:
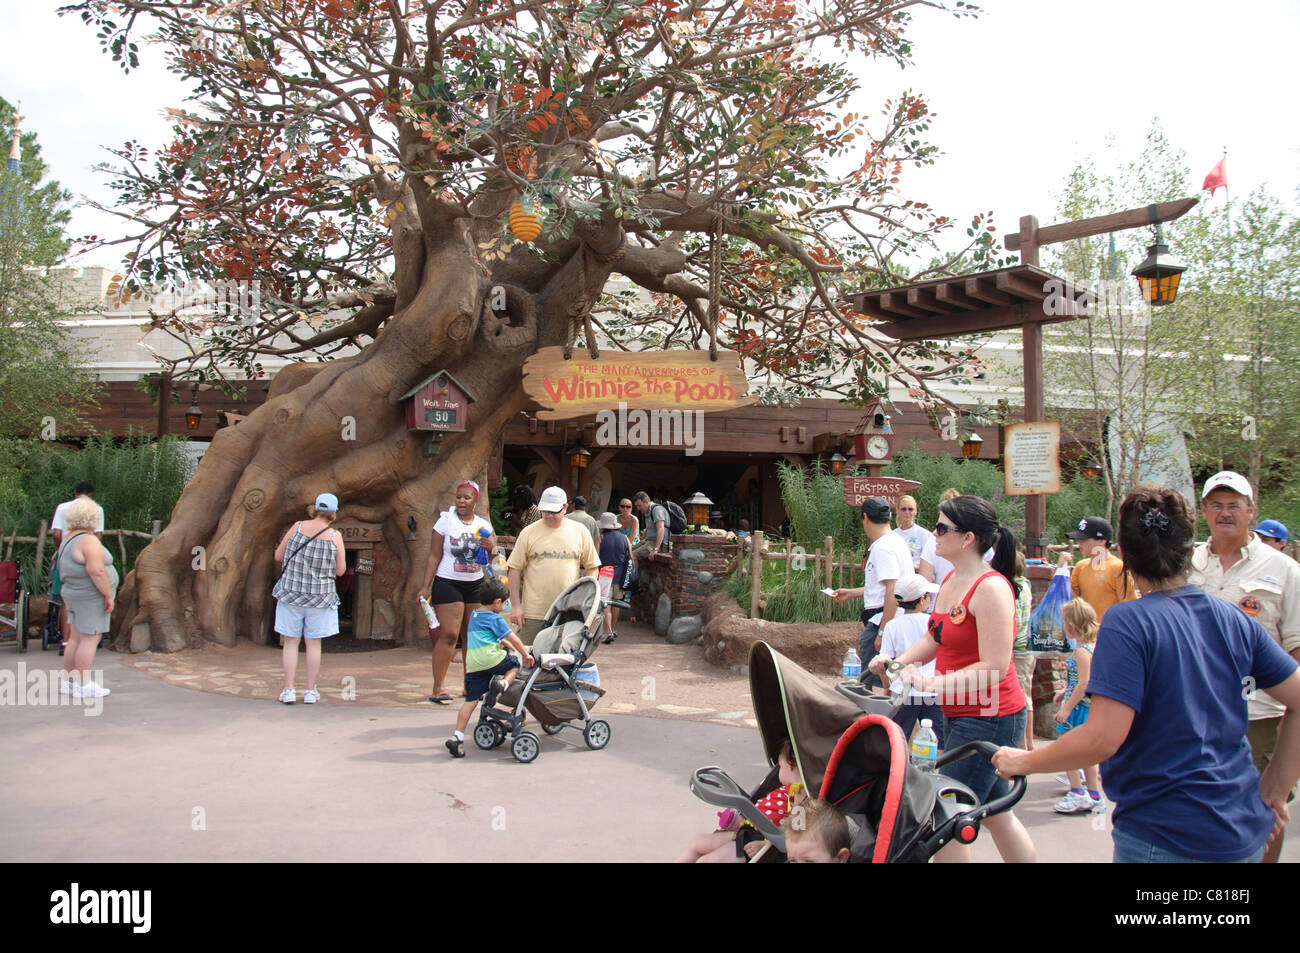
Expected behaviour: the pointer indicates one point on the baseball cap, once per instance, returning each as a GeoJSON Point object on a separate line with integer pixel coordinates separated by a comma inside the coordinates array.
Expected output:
{"type": "Point", "coordinates": [553, 500]}
{"type": "Point", "coordinates": [579, 502]}
{"type": "Point", "coordinates": [913, 587]}
{"type": "Point", "coordinates": [1227, 480]}
{"type": "Point", "coordinates": [876, 509]}
{"type": "Point", "coordinates": [1273, 529]}
{"type": "Point", "coordinates": [1093, 527]}
{"type": "Point", "coordinates": [607, 521]}
{"type": "Point", "coordinates": [327, 503]}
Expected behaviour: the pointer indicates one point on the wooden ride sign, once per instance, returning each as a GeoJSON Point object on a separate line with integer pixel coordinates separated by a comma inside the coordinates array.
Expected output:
{"type": "Point", "coordinates": [859, 488]}
{"type": "Point", "coordinates": [644, 380]}
{"type": "Point", "coordinates": [1032, 458]}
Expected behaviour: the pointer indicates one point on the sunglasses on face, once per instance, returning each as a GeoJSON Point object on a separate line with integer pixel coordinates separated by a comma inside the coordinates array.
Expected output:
{"type": "Point", "coordinates": [625, 506]}
{"type": "Point", "coordinates": [943, 529]}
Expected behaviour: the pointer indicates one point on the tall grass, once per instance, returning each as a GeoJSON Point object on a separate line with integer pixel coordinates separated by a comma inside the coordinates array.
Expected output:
{"type": "Point", "coordinates": [137, 480]}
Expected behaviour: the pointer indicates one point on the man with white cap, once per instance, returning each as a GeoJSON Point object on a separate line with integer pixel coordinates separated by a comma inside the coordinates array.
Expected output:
{"type": "Point", "coordinates": [550, 555]}
{"type": "Point", "coordinates": [1263, 583]}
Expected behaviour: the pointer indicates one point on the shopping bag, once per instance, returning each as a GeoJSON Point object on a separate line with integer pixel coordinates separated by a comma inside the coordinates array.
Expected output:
{"type": "Point", "coordinates": [1046, 628]}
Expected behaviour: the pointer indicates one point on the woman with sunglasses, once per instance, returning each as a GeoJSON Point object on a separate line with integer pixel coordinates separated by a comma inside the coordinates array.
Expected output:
{"type": "Point", "coordinates": [628, 524]}
{"type": "Point", "coordinates": [970, 635]}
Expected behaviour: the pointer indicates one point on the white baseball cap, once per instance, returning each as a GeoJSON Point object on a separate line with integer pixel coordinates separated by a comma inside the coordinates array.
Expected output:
{"type": "Point", "coordinates": [1228, 480]}
{"type": "Point", "coordinates": [553, 500]}
{"type": "Point", "coordinates": [913, 587]}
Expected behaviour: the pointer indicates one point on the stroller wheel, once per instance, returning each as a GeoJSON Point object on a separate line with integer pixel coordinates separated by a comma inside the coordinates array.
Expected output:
{"type": "Point", "coordinates": [500, 738]}
{"type": "Point", "coordinates": [596, 734]}
{"type": "Point", "coordinates": [526, 747]}
{"type": "Point", "coordinates": [485, 735]}
{"type": "Point", "coordinates": [553, 729]}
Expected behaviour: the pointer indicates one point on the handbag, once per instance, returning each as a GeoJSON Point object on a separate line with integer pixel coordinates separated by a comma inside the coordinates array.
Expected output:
{"type": "Point", "coordinates": [631, 579]}
{"type": "Point", "coordinates": [56, 582]}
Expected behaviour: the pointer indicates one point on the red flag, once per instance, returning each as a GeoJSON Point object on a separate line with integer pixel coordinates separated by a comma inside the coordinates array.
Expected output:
{"type": "Point", "coordinates": [1218, 177]}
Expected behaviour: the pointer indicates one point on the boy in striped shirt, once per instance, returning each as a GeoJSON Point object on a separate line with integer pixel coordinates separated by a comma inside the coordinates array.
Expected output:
{"type": "Point", "coordinates": [489, 668]}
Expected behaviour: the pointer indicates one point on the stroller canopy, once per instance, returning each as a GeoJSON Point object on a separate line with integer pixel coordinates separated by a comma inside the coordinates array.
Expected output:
{"type": "Point", "coordinates": [790, 702]}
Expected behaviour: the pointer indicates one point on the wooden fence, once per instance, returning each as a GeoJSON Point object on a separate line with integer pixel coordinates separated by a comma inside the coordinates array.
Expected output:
{"type": "Point", "coordinates": [822, 563]}
{"type": "Point", "coordinates": [8, 542]}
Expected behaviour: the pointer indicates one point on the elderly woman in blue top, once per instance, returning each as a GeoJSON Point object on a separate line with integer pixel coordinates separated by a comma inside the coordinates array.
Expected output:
{"type": "Point", "coordinates": [306, 601]}
{"type": "Point", "coordinates": [1169, 682]}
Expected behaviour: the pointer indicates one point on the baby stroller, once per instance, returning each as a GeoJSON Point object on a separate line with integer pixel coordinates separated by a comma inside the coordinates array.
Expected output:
{"type": "Point", "coordinates": [551, 691]}
{"type": "Point", "coordinates": [848, 750]}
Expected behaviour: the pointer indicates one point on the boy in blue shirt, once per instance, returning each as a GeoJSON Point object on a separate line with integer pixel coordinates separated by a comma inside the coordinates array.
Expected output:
{"type": "Point", "coordinates": [489, 668]}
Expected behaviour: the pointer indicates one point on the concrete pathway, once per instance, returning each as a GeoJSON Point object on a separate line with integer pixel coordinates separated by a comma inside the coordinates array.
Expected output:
{"type": "Point", "coordinates": [191, 775]}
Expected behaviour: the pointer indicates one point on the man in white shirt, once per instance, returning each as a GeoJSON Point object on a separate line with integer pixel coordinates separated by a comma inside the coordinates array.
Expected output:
{"type": "Point", "coordinates": [888, 560]}
{"type": "Point", "coordinates": [919, 539]}
{"type": "Point", "coordinates": [1260, 581]}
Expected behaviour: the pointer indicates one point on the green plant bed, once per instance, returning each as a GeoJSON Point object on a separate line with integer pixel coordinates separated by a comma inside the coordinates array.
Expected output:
{"type": "Point", "coordinates": [804, 602]}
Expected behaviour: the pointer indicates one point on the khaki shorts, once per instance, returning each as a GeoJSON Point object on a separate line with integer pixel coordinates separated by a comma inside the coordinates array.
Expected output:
{"type": "Point", "coordinates": [1025, 673]}
{"type": "Point", "coordinates": [1262, 735]}
{"type": "Point", "coordinates": [615, 592]}
{"type": "Point", "coordinates": [530, 629]}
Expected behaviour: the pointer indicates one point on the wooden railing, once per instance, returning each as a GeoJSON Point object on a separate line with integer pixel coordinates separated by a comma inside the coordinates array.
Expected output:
{"type": "Point", "coordinates": [820, 562]}
{"type": "Point", "coordinates": [8, 542]}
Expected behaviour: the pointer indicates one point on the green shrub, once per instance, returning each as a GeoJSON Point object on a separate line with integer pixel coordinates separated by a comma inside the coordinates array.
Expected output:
{"type": "Point", "coordinates": [137, 480]}
{"type": "Point", "coordinates": [815, 506]}
{"type": "Point", "coordinates": [938, 472]}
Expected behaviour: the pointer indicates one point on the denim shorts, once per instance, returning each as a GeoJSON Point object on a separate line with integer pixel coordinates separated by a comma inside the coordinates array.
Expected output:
{"type": "Point", "coordinates": [1134, 850]}
{"type": "Point", "coordinates": [975, 771]}
{"type": "Point", "coordinates": [303, 622]}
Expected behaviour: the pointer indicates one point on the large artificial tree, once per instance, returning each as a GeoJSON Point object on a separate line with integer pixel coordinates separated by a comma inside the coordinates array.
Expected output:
{"type": "Point", "coordinates": [358, 162]}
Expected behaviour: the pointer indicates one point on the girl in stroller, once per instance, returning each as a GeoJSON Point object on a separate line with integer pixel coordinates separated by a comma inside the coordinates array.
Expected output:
{"type": "Point", "coordinates": [737, 838]}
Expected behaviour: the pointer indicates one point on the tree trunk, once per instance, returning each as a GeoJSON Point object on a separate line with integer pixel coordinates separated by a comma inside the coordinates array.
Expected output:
{"type": "Point", "coordinates": [342, 430]}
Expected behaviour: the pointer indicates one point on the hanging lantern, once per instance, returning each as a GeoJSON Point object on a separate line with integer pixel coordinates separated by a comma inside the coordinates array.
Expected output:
{"type": "Point", "coordinates": [970, 447]}
{"type": "Point", "coordinates": [193, 414]}
{"type": "Point", "coordinates": [837, 463]}
{"type": "Point", "coordinates": [579, 457]}
{"type": "Point", "coordinates": [525, 224]}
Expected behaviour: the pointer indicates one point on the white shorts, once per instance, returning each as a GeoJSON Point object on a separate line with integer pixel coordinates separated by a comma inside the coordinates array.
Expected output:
{"type": "Point", "coordinates": [302, 622]}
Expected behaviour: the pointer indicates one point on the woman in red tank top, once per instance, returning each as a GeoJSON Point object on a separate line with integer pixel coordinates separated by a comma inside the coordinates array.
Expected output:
{"type": "Point", "coordinates": [970, 636]}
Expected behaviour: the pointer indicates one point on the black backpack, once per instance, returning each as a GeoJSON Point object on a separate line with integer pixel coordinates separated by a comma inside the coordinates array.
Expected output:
{"type": "Point", "coordinates": [676, 518]}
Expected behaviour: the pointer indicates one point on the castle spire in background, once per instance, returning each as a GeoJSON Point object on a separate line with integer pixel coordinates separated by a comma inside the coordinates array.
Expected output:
{"type": "Point", "coordinates": [15, 150]}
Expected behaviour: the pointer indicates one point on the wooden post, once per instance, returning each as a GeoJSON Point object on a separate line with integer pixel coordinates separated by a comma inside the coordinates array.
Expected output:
{"type": "Point", "coordinates": [164, 401]}
{"type": "Point", "coordinates": [121, 549]}
{"type": "Point", "coordinates": [40, 547]}
{"type": "Point", "coordinates": [756, 572]}
{"type": "Point", "coordinates": [157, 528]}
{"type": "Point", "coordinates": [787, 566]}
{"type": "Point", "coordinates": [830, 576]}
{"type": "Point", "coordinates": [1032, 337]}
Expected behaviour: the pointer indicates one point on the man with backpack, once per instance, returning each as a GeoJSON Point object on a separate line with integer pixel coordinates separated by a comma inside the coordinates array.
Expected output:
{"type": "Point", "coordinates": [664, 520]}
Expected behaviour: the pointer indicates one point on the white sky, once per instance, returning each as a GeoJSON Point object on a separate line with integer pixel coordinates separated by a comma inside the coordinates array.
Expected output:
{"type": "Point", "coordinates": [1019, 95]}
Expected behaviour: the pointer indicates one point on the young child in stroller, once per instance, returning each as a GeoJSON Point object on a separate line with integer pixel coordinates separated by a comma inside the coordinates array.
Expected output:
{"type": "Point", "coordinates": [820, 835]}
{"type": "Point", "coordinates": [736, 839]}
{"type": "Point", "coordinates": [489, 668]}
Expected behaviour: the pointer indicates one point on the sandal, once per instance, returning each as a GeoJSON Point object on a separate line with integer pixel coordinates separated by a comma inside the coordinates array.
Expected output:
{"type": "Point", "coordinates": [456, 747]}
{"type": "Point", "coordinates": [442, 698]}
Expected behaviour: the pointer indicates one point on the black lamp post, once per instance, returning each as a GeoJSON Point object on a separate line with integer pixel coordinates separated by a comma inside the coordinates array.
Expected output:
{"type": "Point", "coordinates": [579, 457]}
{"type": "Point", "coordinates": [837, 462]}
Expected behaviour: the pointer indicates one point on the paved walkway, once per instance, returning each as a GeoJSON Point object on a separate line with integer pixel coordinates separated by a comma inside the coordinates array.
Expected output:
{"type": "Point", "coordinates": [639, 672]}
{"type": "Point", "coordinates": [218, 772]}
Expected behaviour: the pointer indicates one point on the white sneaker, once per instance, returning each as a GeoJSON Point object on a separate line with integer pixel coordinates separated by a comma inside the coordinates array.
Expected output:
{"type": "Point", "coordinates": [67, 686]}
{"type": "Point", "coordinates": [90, 690]}
{"type": "Point", "coordinates": [288, 696]}
{"type": "Point", "coordinates": [1074, 803]}
{"type": "Point", "coordinates": [310, 696]}
{"type": "Point", "coordinates": [1062, 779]}
{"type": "Point", "coordinates": [1098, 805]}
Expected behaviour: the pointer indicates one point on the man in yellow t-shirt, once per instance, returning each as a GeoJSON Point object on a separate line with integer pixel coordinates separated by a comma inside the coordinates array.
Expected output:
{"type": "Point", "coordinates": [1099, 578]}
{"type": "Point", "coordinates": [550, 555]}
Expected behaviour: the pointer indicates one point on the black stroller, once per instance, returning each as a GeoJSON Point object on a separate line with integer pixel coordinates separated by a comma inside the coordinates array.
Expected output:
{"type": "Point", "coordinates": [551, 690]}
{"type": "Point", "coordinates": [848, 750]}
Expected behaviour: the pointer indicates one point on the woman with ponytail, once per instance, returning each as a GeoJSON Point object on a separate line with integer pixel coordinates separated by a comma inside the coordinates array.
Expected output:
{"type": "Point", "coordinates": [1168, 716]}
{"type": "Point", "coordinates": [970, 636]}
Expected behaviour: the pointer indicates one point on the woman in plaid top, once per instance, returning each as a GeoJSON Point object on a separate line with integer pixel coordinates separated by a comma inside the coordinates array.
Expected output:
{"type": "Point", "coordinates": [306, 603]}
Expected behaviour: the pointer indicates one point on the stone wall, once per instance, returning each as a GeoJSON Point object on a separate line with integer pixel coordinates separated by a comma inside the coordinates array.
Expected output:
{"type": "Point", "coordinates": [674, 588]}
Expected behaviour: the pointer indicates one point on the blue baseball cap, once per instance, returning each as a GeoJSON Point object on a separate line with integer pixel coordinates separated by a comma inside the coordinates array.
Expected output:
{"type": "Point", "coordinates": [327, 503]}
{"type": "Point", "coordinates": [1273, 529]}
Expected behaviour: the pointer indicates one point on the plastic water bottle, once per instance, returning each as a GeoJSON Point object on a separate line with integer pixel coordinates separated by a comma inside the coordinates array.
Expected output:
{"type": "Point", "coordinates": [925, 747]}
{"type": "Point", "coordinates": [852, 665]}
{"type": "Point", "coordinates": [481, 555]}
{"type": "Point", "coordinates": [429, 615]}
